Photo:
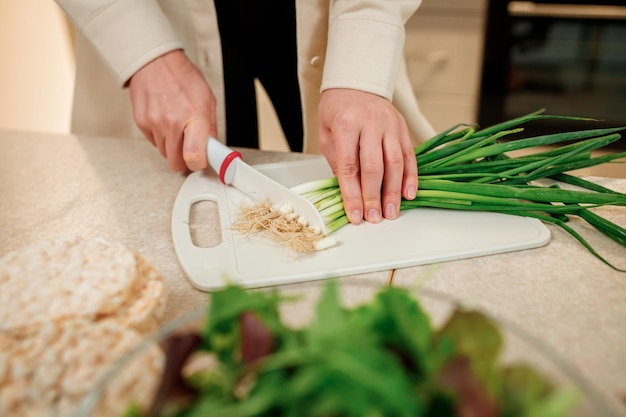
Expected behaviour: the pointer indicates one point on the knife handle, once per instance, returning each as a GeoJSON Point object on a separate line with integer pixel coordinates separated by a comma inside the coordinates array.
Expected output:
{"type": "Point", "coordinates": [220, 159]}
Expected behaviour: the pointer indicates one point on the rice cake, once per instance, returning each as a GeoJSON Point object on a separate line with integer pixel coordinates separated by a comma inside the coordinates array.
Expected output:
{"type": "Point", "coordinates": [69, 308]}
{"type": "Point", "coordinates": [78, 279]}
{"type": "Point", "coordinates": [47, 371]}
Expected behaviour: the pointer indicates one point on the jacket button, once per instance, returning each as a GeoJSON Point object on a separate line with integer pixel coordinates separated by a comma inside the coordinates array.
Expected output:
{"type": "Point", "coordinates": [315, 61]}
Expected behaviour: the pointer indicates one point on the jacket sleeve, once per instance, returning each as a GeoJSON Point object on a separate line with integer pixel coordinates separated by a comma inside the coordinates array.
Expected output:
{"type": "Point", "coordinates": [365, 44]}
{"type": "Point", "coordinates": [126, 33]}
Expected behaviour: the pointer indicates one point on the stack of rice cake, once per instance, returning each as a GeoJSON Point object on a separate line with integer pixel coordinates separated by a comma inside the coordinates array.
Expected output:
{"type": "Point", "coordinates": [69, 308]}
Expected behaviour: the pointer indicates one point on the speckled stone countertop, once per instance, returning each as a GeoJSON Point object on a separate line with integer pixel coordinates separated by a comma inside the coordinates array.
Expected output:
{"type": "Point", "coordinates": [122, 190]}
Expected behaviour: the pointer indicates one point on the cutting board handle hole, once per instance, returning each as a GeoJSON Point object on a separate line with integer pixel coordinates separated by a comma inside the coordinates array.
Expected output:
{"type": "Point", "coordinates": [204, 224]}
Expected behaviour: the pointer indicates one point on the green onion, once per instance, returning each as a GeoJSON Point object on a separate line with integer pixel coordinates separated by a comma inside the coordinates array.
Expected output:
{"type": "Point", "coordinates": [463, 168]}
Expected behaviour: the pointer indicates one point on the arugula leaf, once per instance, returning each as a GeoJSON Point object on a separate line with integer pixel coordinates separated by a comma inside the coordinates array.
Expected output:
{"type": "Point", "coordinates": [331, 319]}
{"type": "Point", "coordinates": [404, 327]}
{"type": "Point", "coordinates": [222, 331]}
{"type": "Point", "coordinates": [478, 338]}
{"type": "Point", "coordinates": [524, 392]}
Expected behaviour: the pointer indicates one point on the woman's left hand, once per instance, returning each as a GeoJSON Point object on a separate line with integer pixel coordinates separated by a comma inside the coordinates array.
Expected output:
{"type": "Point", "coordinates": [367, 144]}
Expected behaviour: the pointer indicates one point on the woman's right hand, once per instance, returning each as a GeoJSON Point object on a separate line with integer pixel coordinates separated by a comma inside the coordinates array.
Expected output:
{"type": "Point", "coordinates": [174, 107]}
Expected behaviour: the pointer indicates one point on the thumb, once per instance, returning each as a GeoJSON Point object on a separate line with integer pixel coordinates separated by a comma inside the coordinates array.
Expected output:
{"type": "Point", "coordinates": [195, 136]}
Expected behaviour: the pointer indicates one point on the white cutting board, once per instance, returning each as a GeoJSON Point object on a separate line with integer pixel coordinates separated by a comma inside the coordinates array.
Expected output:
{"type": "Point", "coordinates": [416, 237]}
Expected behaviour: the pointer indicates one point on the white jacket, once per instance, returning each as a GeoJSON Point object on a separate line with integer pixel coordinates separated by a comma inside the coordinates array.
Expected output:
{"type": "Point", "coordinates": [341, 44]}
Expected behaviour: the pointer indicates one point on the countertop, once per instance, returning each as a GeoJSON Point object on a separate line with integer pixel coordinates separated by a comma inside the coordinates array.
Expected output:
{"type": "Point", "coordinates": [121, 189]}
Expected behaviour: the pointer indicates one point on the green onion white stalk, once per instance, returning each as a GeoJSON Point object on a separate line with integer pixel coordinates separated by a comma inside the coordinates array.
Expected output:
{"type": "Point", "coordinates": [463, 168]}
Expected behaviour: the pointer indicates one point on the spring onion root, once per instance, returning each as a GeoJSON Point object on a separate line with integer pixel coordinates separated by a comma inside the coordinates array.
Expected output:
{"type": "Point", "coordinates": [282, 225]}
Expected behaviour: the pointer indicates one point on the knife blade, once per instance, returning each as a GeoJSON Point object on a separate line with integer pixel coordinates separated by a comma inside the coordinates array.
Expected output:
{"type": "Point", "coordinates": [233, 171]}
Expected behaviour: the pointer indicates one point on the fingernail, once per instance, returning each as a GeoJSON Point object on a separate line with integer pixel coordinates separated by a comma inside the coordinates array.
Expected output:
{"type": "Point", "coordinates": [373, 216]}
{"type": "Point", "coordinates": [355, 217]}
{"type": "Point", "coordinates": [411, 192]}
{"type": "Point", "coordinates": [390, 211]}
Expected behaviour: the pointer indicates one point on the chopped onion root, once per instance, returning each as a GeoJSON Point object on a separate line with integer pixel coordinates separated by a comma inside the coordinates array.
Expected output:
{"type": "Point", "coordinates": [281, 225]}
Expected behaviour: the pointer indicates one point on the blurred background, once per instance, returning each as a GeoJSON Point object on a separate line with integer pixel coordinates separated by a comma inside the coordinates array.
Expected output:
{"type": "Point", "coordinates": [37, 66]}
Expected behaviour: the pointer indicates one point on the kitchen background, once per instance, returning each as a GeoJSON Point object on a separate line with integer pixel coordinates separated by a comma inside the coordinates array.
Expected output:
{"type": "Point", "coordinates": [444, 49]}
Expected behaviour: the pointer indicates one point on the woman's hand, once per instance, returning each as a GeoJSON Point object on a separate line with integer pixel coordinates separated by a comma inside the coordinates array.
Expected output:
{"type": "Point", "coordinates": [174, 107]}
{"type": "Point", "coordinates": [367, 144]}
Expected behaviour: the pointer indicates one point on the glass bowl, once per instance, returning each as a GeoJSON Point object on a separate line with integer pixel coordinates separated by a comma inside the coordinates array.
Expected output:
{"type": "Point", "coordinates": [104, 399]}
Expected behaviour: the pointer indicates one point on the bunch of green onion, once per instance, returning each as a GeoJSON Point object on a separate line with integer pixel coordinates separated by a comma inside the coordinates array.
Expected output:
{"type": "Point", "coordinates": [465, 168]}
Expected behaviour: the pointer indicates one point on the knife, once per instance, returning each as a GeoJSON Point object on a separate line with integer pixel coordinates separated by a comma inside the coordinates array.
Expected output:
{"type": "Point", "coordinates": [233, 171]}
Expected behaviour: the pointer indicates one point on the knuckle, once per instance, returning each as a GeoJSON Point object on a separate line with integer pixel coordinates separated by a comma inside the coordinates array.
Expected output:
{"type": "Point", "coordinates": [370, 166]}
{"type": "Point", "coordinates": [343, 122]}
{"type": "Point", "coordinates": [378, 113]}
{"type": "Point", "coordinates": [371, 200]}
{"type": "Point", "coordinates": [169, 120]}
{"type": "Point", "coordinates": [151, 118]}
{"type": "Point", "coordinates": [395, 158]}
{"type": "Point", "coordinates": [392, 195]}
{"type": "Point", "coordinates": [348, 170]}
{"type": "Point", "coordinates": [141, 119]}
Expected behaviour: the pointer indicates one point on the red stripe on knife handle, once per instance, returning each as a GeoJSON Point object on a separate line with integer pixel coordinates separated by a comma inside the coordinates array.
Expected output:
{"type": "Point", "coordinates": [227, 161]}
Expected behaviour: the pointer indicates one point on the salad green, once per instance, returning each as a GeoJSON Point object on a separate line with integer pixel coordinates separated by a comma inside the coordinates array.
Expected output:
{"type": "Point", "coordinates": [382, 358]}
